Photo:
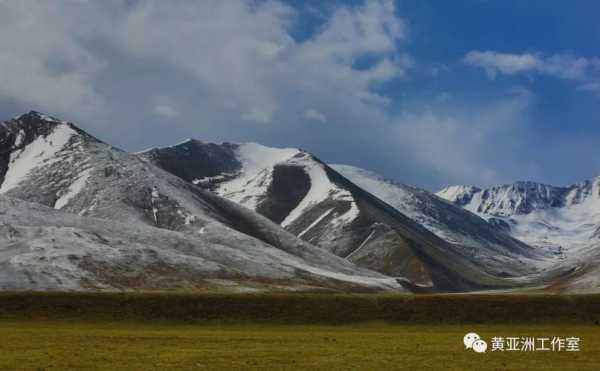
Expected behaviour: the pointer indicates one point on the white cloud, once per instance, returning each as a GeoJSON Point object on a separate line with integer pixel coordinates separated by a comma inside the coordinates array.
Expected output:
{"type": "Point", "coordinates": [239, 53]}
{"type": "Point", "coordinates": [243, 52]}
{"type": "Point", "coordinates": [509, 64]}
{"type": "Point", "coordinates": [583, 71]}
{"type": "Point", "coordinates": [42, 61]}
{"type": "Point", "coordinates": [476, 145]}
{"type": "Point", "coordinates": [564, 66]}
{"type": "Point", "coordinates": [350, 33]}
{"type": "Point", "coordinates": [232, 70]}
{"type": "Point", "coordinates": [315, 115]}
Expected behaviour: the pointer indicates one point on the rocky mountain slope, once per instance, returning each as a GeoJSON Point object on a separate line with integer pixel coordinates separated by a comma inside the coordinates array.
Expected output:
{"type": "Point", "coordinates": [494, 249]}
{"type": "Point", "coordinates": [48, 249]}
{"type": "Point", "coordinates": [154, 213]}
{"type": "Point", "coordinates": [77, 213]}
{"type": "Point", "coordinates": [321, 206]}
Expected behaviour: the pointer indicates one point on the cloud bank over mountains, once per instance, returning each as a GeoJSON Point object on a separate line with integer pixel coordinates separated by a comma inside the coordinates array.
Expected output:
{"type": "Point", "coordinates": [329, 79]}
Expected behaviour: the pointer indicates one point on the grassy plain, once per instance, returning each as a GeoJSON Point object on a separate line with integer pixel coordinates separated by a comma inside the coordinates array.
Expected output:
{"type": "Point", "coordinates": [264, 332]}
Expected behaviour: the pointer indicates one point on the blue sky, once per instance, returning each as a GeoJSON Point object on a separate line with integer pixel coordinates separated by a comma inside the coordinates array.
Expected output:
{"type": "Point", "coordinates": [429, 93]}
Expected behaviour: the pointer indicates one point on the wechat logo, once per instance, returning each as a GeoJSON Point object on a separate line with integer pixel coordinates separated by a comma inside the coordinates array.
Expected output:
{"type": "Point", "coordinates": [473, 341]}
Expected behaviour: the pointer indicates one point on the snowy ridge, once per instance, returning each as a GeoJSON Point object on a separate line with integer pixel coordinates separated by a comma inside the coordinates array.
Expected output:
{"type": "Point", "coordinates": [506, 200]}
{"type": "Point", "coordinates": [401, 197]}
{"type": "Point", "coordinates": [563, 221]}
{"type": "Point", "coordinates": [249, 185]}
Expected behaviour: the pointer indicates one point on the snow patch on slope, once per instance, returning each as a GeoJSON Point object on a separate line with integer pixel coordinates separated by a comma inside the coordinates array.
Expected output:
{"type": "Point", "coordinates": [321, 188]}
{"type": "Point", "coordinates": [258, 163]}
{"type": "Point", "coordinates": [74, 189]}
{"type": "Point", "coordinates": [255, 157]}
{"type": "Point", "coordinates": [317, 221]}
{"type": "Point", "coordinates": [19, 138]}
{"type": "Point", "coordinates": [457, 193]}
{"type": "Point", "coordinates": [39, 152]}
{"type": "Point", "coordinates": [256, 174]}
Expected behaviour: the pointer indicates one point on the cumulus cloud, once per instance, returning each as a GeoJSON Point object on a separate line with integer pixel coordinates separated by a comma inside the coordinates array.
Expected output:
{"type": "Point", "coordinates": [42, 59]}
{"type": "Point", "coordinates": [239, 54]}
{"type": "Point", "coordinates": [243, 52]}
{"type": "Point", "coordinates": [234, 71]}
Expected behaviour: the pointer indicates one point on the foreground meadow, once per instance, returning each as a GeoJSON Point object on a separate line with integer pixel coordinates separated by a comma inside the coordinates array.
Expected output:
{"type": "Point", "coordinates": [289, 332]}
{"type": "Point", "coordinates": [34, 345]}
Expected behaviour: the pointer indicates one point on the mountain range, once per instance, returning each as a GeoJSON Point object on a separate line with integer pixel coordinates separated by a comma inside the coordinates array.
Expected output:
{"type": "Point", "coordinates": [563, 222]}
{"type": "Point", "coordinates": [79, 214]}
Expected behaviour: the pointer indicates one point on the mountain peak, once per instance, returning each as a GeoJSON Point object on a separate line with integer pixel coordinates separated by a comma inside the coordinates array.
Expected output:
{"type": "Point", "coordinates": [36, 116]}
{"type": "Point", "coordinates": [28, 126]}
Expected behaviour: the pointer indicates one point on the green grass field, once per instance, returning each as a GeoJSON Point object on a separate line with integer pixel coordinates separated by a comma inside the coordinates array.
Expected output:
{"type": "Point", "coordinates": [139, 332]}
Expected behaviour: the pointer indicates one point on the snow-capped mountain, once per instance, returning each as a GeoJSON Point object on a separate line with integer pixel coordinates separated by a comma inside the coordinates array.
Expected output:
{"type": "Point", "coordinates": [542, 215]}
{"type": "Point", "coordinates": [564, 221]}
{"type": "Point", "coordinates": [112, 207]}
{"type": "Point", "coordinates": [321, 206]}
{"type": "Point", "coordinates": [282, 184]}
{"type": "Point", "coordinates": [506, 200]}
{"type": "Point", "coordinates": [77, 213]}
{"type": "Point", "coordinates": [496, 250]}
